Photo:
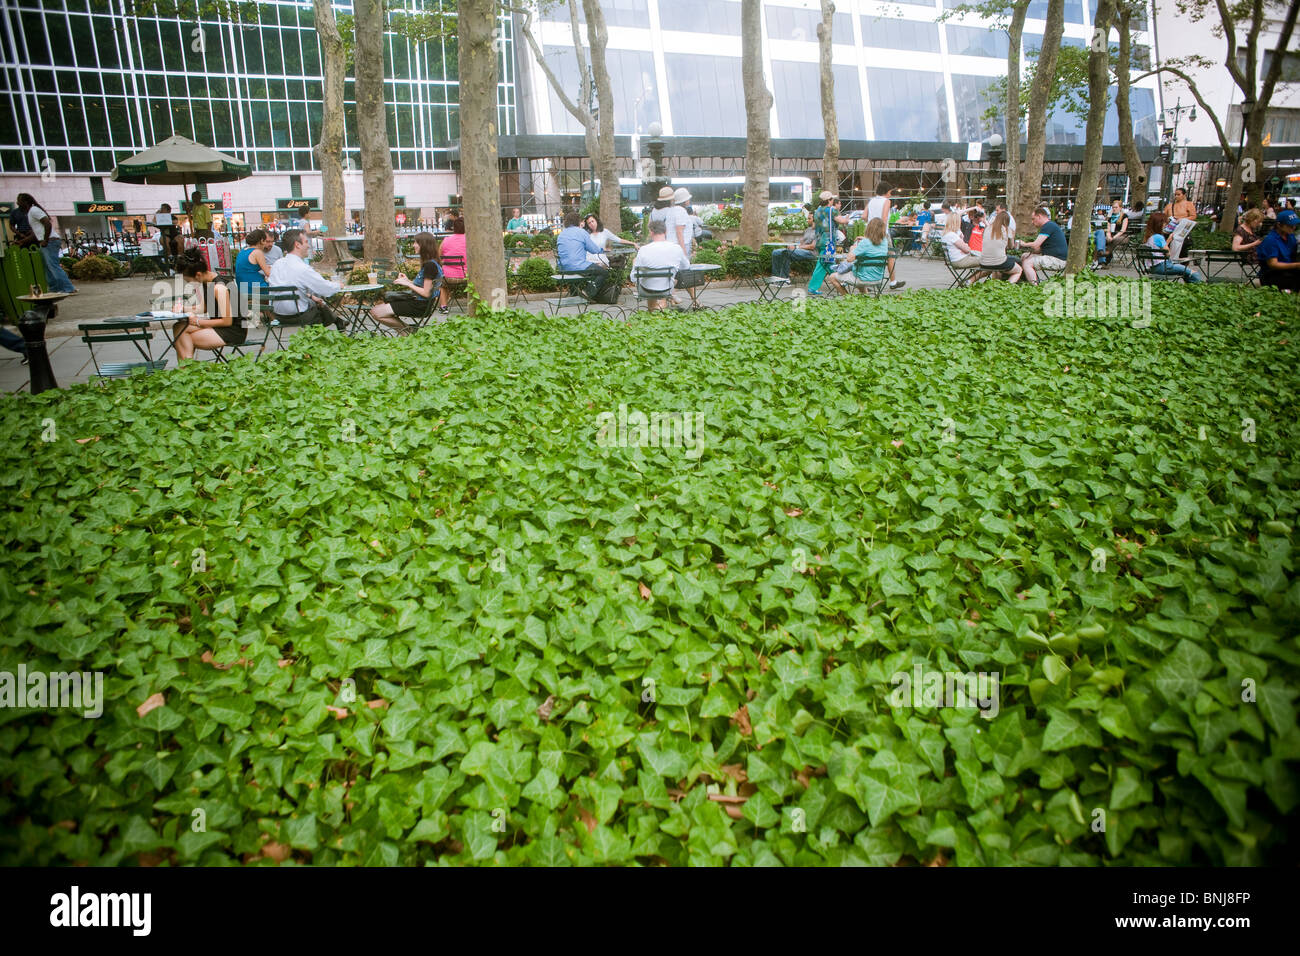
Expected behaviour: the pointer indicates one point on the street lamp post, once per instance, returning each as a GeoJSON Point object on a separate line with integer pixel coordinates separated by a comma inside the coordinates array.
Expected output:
{"type": "Point", "coordinates": [1170, 142]}
{"type": "Point", "coordinates": [995, 170]}
{"type": "Point", "coordinates": [1247, 105]}
{"type": "Point", "coordinates": [655, 147]}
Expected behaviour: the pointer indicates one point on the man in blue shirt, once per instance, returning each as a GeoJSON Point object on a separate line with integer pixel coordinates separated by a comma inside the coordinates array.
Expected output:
{"type": "Point", "coordinates": [1278, 265]}
{"type": "Point", "coordinates": [1049, 248]}
{"type": "Point", "coordinates": [571, 248]}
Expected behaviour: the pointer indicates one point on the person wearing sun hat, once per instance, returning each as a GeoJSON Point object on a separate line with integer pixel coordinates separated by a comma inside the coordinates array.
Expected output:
{"type": "Point", "coordinates": [682, 231]}
{"type": "Point", "coordinates": [1279, 266]}
{"type": "Point", "coordinates": [663, 203]}
{"type": "Point", "coordinates": [680, 228]}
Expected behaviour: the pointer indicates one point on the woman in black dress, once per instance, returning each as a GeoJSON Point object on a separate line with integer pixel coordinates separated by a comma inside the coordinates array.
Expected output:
{"type": "Point", "coordinates": [416, 301]}
{"type": "Point", "coordinates": [211, 323]}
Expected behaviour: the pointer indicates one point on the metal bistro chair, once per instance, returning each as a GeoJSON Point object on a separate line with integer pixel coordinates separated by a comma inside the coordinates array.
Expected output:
{"type": "Point", "coordinates": [272, 294]}
{"type": "Point", "coordinates": [644, 295]}
{"type": "Point", "coordinates": [455, 286]}
{"type": "Point", "coordinates": [415, 322]}
{"type": "Point", "coordinates": [932, 248]}
{"type": "Point", "coordinates": [874, 286]}
{"type": "Point", "coordinates": [1145, 259]}
{"type": "Point", "coordinates": [1120, 250]}
{"type": "Point", "coordinates": [242, 306]}
{"type": "Point", "coordinates": [961, 275]}
{"type": "Point", "coordinates": [768, 287]}
{"type": "Point", "coordinates": [515, 257]}
{"type": "Point", "coordinates": [573, 292]}
{"type": "Point", "coordinates": [135, 331]}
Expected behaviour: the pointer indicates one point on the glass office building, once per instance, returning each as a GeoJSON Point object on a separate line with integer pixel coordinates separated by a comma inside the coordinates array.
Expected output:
{"type": "Point", "coordinates": [900, 74]}
{"type": "Point", "coordinates": [85, 84]}
{"type": "Point", "coordinates": [82, 86]}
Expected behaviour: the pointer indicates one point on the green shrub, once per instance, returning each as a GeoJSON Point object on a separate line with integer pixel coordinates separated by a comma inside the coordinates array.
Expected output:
{"type": "Point", "coordinates": [728, 217]}
{"type": "Point", "coordinates": [1201, 237]}
{"type": "Point", "coordinates": [542, 242]}
{"type": "Point", "coordinates": [518, 244]}
{"type": "Point", "coordinates": [534, 275]}
{"type": "Point", "coordinates": [96, 269]}
{"type": "Point", "coordinates": [707, 257]}
{"type": "Point", "coordinates": [710, 245]}
{"type": "Point", "coordinates": [737, 267]}
{"type": "Point", "coordinates": [796, 222]}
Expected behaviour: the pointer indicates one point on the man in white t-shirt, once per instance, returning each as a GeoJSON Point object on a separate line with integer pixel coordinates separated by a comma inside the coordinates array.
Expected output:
{"type": "Point", "coordinates": [659, 253]}
{"type": "Point", "coordinates": [46, 238]}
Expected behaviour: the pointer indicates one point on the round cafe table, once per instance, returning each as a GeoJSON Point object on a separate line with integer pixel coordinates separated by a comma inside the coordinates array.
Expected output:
{"type": "Point", "coordinates": [708, 271]}
{"type": "Point", "coordinates": [364, 296]}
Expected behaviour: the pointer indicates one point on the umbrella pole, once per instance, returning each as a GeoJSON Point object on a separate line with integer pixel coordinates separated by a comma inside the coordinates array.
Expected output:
{"type": "Point", "coordinates": [180, 242]}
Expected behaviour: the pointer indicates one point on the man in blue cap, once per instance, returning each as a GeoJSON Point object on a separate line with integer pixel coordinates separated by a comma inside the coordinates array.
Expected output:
{"type": "Point", "coordinates": [1278, 265]}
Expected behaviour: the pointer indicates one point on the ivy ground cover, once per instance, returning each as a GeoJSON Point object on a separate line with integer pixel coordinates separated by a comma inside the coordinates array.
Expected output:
{"type": "Point", "coordinates": [440, 599]}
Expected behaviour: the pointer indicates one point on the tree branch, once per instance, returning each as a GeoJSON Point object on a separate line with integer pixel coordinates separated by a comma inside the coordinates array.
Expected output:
{"type": "Point", "coordinates": [584, 74]}
{"type": "Point", "coordinates": [1283, 44]}
{"type": "Point", "coordinates": [1196, 94]}
{"type": "Point", "coordinates": [1230, 32]}
{"type": "Point", "coordinates": [580, 114]}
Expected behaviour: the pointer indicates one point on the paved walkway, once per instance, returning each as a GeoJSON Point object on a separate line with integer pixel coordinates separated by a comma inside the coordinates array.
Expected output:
{"type": "Point", "coordinates": [71, 360]}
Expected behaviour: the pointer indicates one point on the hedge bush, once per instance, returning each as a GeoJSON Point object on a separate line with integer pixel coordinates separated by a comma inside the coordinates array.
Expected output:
{"type": "Point", "coordinates": [533, 275]}
{"type": "Point", "coordinates": [736, 266]}
{"type": "Point", "coordinates": [97, 269]}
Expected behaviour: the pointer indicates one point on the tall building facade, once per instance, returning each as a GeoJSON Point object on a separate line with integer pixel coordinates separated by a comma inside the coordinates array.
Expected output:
{"type": "Point", "coordinates": [86, 83]}
{"type": "Point", "coordinates": [1180, 36]}
{"type": "Point", "coordinates": [902, 73]}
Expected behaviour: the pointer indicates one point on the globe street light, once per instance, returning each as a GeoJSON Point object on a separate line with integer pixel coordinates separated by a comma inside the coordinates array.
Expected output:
{"type": "Point", "coordinates": [995, 168]}
{"type": "Point", "coordinates": [655, 147]}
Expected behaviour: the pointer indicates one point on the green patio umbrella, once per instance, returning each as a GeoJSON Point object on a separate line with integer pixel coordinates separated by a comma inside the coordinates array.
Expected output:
{"type": "Point", "coordinates": [180, 161]}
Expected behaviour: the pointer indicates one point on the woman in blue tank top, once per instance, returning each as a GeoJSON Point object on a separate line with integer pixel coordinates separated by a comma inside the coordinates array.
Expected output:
{"type": "Point", "coordinates": [251, 267]}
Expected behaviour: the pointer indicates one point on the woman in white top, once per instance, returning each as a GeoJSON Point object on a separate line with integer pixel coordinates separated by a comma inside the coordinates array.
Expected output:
{"type": "Point", "coordinates": [680, 228]}
{"type": "Point", "coordinates": [879, 204]}
{"type": "Point", "coordinates": [601, 237]}
{"type": "Point", "coordinates": [959, 254]}
{"type": "Point", "coordinates": [663, 206]}
{"type": "Point", "coordinates": [993, 254]}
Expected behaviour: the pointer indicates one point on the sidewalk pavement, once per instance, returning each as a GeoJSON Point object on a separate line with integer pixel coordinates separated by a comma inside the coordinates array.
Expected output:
{"type": "Point", "coordinates": [71, 361]}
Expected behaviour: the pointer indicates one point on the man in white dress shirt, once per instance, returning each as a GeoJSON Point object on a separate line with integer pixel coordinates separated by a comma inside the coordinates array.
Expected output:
{"type": "Point", "coordinates": [313, 288]}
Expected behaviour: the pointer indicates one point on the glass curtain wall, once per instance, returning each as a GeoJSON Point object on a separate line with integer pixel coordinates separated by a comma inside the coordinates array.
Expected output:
{"type": "Point", "coordinates": [899, 74]}
{"type": "Point", "coordinates": [84, 85]}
